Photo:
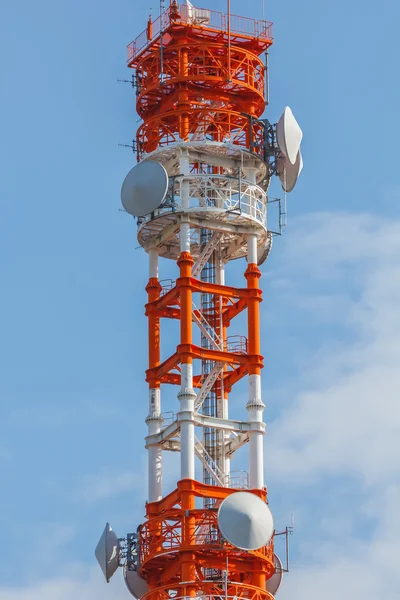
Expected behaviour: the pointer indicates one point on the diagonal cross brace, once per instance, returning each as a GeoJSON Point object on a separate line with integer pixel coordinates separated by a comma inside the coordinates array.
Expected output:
{"type": "Point", "coordinates": [206, 253]}
{"type": "Point", "coordinates": [208, 384]}
{"type": "Point", "coordinates": [209, 464]}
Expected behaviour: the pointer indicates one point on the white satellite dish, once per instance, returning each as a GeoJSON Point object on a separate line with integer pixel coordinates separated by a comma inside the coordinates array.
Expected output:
{"type": "Point", "coordinates": [136, 585]}
{"type": "Point", "coordinates": [108, 552]}
{"type": "Point", "coordinates": [245, 521]}
{"type": "Point", "coordinates": [273, 583]}
{"type": "Point", "coordinates": [288, 173]}
{"type": "Point", "coordinates": [144, 188]}
{"type": "Point", "coordinates": [289, 135]}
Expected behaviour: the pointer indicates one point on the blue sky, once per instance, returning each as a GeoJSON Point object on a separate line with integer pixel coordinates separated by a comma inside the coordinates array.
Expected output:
{"type": "Point", "coordinates": [72, 350]}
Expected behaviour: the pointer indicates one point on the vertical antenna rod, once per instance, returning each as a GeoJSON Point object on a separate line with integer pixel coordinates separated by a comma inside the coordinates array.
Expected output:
{"type": "Point", "coordinates": [161, 41]}
{"type": "Point", "coordinates": [266, 77]}
{"type": "Point", "coordinates": [229, 42]}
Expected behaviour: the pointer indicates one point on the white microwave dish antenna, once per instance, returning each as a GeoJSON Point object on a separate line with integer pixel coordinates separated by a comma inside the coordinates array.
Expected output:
{"type": "Point", "coordinates": [245, 521]}
{"type": "Point", "coordinates": [144, 188]}
{"type": "Point", "coordinates": [288, 173]}
{"type": "Point", "coordinates": [108, 552]}
{"type": "Point", "coordinates": [136, 585]}
{"type": "Point", "coordinates": [289, 135]}
{"type": "Point", "coordinates": [273, 583]}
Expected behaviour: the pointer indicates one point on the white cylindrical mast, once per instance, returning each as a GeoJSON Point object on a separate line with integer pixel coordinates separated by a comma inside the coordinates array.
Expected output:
{"type": "Point", "coordinates": [186, 395]}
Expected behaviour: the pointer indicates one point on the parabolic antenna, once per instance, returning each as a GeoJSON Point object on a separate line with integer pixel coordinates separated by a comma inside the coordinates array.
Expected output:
{"type": "Point", "coordinates": [289, 135]}
{"type": "Point", "coordinates": [136, 585]}
{"type": "Point", "coordinates": [288, 173]}
{"type": "Point", "coordinates": [274, 582]}
{"type": "Point", "coordinates": [144, 188]}
{"type": "Point", "coordinates": [107, 552]}
{"type": "Point", "coordinates": [245, 521]}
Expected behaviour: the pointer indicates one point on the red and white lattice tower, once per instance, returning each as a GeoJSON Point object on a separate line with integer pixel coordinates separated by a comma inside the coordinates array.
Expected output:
{"type": "Point", "coordinates": [200, 86]}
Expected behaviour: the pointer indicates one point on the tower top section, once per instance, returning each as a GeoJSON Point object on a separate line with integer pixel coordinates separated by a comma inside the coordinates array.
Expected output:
{"type": "Point", "coordinates": [182, 20]}
{"type": "Point", "coordinates": [199, 77]}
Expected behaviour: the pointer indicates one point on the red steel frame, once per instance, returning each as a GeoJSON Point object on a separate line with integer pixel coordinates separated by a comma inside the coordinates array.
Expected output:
{"type": "Point", "coordinates": [177, 304]}
{"type": "Point", "coordinates": [176, 544]}
{"type": "Point", "coordinates": [172, 547]}
{"type": "Point", "coordinates": [198, 90]}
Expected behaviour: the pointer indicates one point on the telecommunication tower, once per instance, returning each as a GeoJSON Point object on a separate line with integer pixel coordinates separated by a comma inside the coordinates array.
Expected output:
{"type": "Point", "coordinates": [199, 194]}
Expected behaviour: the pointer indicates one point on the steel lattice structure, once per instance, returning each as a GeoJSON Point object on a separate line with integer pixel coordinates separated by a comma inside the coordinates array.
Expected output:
{"type": "Point", "coordinates": [188, 85]}
{"type": "Point", "coordinates": [201, 91]}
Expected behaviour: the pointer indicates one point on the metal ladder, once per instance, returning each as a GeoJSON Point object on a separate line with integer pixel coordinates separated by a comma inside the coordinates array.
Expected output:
{"type": "Point", "coordinates": [206, 253]}
{"type": "Point", "coordinates": [209, 464]}
{"type": "Point", "coordinates": [208, 384]}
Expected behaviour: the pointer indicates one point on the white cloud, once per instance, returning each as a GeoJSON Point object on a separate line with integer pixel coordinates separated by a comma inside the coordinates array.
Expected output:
{"type": "Point", "coordinates": [354, 568]}
{"type": "Point", "coordinates": [344, 422]}
{"type": "Point", "coordinates": [350, 421]}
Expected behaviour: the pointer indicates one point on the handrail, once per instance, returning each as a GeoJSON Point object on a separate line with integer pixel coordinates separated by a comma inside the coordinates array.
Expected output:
{"type": "Point", "coordinates": [229, 196]}
{"type": "Point", "coordinates": [211, 591]}
{"type": "Point", "coordinates": [206, 19]}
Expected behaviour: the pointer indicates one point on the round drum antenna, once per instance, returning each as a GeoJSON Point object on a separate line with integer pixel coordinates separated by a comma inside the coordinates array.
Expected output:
{"type": "Point", "coordinates": [264, 251]}
{"type": "Point", "coordinates": [144, 188]}
{"type": "Point", "coordinates": [245, 521]}
{"type": "Point", "coordinates": [288, 173]}
{"type": "Point", "coordinates": [273, 583]}
{"type": "Point", "coordinates": [136, 585]}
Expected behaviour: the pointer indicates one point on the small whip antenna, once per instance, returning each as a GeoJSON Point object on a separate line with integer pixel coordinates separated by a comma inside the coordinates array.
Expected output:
{"type": "Point", "coordinates": [229, 41]}
{"type": "Point", "coordinates": [162, 9]}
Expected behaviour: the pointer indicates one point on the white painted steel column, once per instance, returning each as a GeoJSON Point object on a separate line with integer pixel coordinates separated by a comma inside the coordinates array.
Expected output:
{"type": "Point", "coordinates": [255, 406]}
{"type": "Point", "coordinates": [252, 249]}
{"type": "Point", "coordinates": [223, 410]}
{"type": "Point", "coordinates": [187, 394]}
{"type": "Point", "coordinates": [186, 398]}
{"type": "Point", "coordinates": [255, 409]}
{"type": "Point", "coordinates": [184, 167]}
{"type": "Point", "coordinates": [154, 420]}
{"type": "Point", "coordinates": [154, 423]}
{"type": "Point", "coordinates": [153, 263]}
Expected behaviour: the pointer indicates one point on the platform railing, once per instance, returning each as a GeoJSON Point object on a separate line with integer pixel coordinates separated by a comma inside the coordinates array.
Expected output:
{"type": "Point", "coordinates": [166, 286]}
{"type": "Point", "coordinates": [205, 18]}
{"type": "Point", "coordinates": [234, 591]}
{"type": "Point", "coordinates": [237, 344]}
{"type": "Point", "coordinates": [237, 197]}
{"type": "Point", "coordinates": [238, 480]}
{"type": "Point", "coordinates": [162, 535]}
